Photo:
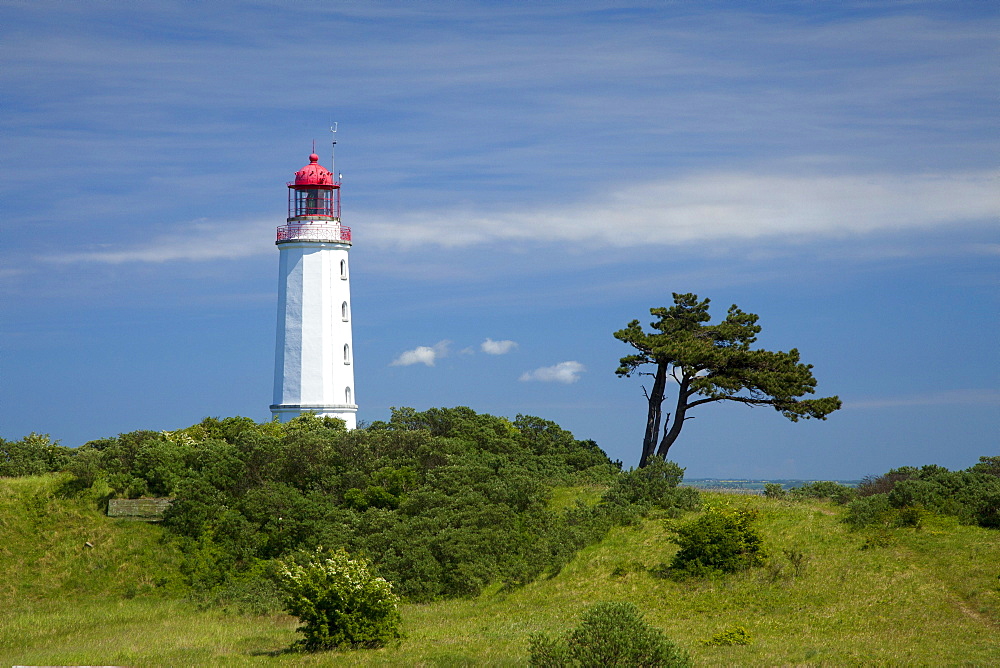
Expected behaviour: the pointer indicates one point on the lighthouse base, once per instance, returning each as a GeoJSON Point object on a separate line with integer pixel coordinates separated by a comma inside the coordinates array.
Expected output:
{"type": "Point", "coordinates": [346, 412]}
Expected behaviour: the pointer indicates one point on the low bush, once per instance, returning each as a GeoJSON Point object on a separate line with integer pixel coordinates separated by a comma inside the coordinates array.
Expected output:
{"type": "Point", "coordinates": [719, 541]}
{"type": "Point", "coordinates": [340, 603]}
{"type": "Point", "coordinates": [774, 490]}
{"type": "Point", "coordinates": [734, 635]}
{"type": "Point", "coordinates": [904, 496]}
{"type": "Point", "coordinates": [610, 634]}
{"type": "Point", "coordinates": [652, 486]}
{"type": "Point", "coordinates": [824, 489]}
{"type": "Point", "coordinates": [872, 510]}
{"type": "Point", "coordinates": [32, 455]}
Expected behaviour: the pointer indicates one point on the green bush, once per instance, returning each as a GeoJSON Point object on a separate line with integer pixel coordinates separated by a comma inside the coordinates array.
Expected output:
{"type": "Point", "coordinates": [904, 496]}
{"type": "Point", "coordinates": [910, 493]}
{"type": "Point", "coordinates": [340, 603]}
{"type": "Point", "coordinates": [32, 455]}
{"type": "Point", "coordinates": [825, 489]}
{"type": "Point", "coordinates": [988, 465]}
{"type": "Point", "coordinates": [719, 541]}
{"type": "Point", "coordinates": [652, 486]}
{"type": "Point", "coordinates": [874, 510]}
{"type": "Point", "coordinates": [610, 634]}
{"type": "Point", "coordinates": [734, 635]}
{"type": "Point", "coordinates": [774, 490]}
{"type": "Point", "coordinates": [445, 502]}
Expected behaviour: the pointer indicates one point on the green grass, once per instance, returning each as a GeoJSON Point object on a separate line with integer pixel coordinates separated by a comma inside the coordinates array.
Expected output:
{"type": "Point", "coordinates": [929, 597]}
{"type": "Point", "coordinates": [565, 497]}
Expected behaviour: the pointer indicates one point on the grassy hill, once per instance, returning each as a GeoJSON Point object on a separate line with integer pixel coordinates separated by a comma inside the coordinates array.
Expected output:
{"type": "Point", "coordinates": [902, 597]}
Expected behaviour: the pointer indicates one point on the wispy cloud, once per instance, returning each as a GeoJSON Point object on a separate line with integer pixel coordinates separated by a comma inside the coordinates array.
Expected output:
{"type": "Point", "coordinates": [564, 372]}
{"type": "Point", "coordinates": [720, 207]}
{"type": "Point", "coordinates": [427, 355]}
{"type": "Point", "coordinates": [491, 347]}
{"type": "Point", "coordinates": [197, 241]}
{"type": "Point", "coordinates": [967, 397]}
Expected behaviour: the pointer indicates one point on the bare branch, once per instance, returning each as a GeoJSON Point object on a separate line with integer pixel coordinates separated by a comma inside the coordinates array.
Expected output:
{"type": "Point", "coordinates": [749, 401]}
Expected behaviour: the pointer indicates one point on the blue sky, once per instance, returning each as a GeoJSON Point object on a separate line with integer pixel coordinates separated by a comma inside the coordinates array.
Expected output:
{"type": "Point", "coordinates": [536, 173]}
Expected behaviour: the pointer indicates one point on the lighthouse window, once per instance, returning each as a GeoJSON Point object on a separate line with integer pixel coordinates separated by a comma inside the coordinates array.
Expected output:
{"type": "Point", "coordinates": [347, 393]}
{"type": "Point", "coordinates": [313, 202]}
{"type": "Point", "coordinates": [343, 269]}
{"type": "Point", "coordinates": [347, 354]}
{"type": "Point", "coordinates": [343, 311]}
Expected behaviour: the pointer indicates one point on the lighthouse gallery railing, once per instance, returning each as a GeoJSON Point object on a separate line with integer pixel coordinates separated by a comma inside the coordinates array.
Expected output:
{"type": "Point", "coordinates": [314, 232]}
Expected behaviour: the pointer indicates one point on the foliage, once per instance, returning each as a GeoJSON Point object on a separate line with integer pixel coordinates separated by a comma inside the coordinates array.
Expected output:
{"type": "Point", "coordinates": [444, 502]}
{"type": "Point", "coordinates": [989, 465]}
{"type": "Point", "coordinates": [64, 603]}
{"type": "Point", "coordinates": [870, 511]}
{"type": "Point", "coordinates": [824, 489]}
{"type": "Point", "coordinates": [340, 603]}
{"type": "Point", "coordinates": [734, 635]}
{"type": "Point", "coordinates": [33, 454]}
{"type": "Point", "coordinates": [904, 496]}
{"type": "Point", "coordinates": [653, 486]}
{"type": "Point", "coordinates": [774, 490]}
{"type": "Point", "coordinates": [610, 634]}
{"type": "Point", "coordinates": [713, 363]}
{"type": "Point", "coordinates": [719, 541]}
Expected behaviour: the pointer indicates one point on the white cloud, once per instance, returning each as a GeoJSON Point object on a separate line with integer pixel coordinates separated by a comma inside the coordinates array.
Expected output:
{"type": "Point", "coordinates": [491, 347]}
{"type": "Point", "coordinates": [720, 207]}
{"type": "Point", "coordinates": [196, 241]}
{"type": "Point", "coordinates": [422, 355]}
{"type": "Point", "coordinates": [564, 372]}
{"type": "Point", "coordinates": [707, 208]}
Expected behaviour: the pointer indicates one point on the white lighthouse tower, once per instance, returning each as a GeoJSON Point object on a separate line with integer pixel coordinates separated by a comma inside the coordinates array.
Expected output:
{"type": "Point", "coordinates": [314, 351]}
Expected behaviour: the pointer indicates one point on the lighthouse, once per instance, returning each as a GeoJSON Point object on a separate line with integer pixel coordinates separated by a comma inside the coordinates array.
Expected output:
{"type": "Point", "coordinates": [314, 350]}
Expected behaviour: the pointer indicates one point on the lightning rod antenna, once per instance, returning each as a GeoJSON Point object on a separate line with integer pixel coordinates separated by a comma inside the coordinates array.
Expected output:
{"type": "Point", "coordinates": [333, 149]}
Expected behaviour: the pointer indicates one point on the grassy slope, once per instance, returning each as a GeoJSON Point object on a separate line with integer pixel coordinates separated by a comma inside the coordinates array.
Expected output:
{"type": "Point", "coordinates": [931, 598]}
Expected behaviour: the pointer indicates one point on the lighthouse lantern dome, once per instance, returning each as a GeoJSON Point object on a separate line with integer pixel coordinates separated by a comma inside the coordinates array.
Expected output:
{"type": "Point", "coordinates": [313, 194]}
{"type": "Point", "coordinates": [314, 174]}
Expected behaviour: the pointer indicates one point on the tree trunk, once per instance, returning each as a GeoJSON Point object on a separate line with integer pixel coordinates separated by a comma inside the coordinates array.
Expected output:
{"type": "Point", "coordinates": [675, 428]}
{"type": "Point", "coordinates": [655, 398]}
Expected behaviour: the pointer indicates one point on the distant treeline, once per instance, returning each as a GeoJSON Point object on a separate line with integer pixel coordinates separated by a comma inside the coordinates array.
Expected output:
{"type": "Point", "coordinates": [757, 486]}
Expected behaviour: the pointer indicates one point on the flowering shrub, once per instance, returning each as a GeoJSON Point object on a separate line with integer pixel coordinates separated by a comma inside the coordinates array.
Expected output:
{"type": "Point", "coordinates": [340, 603]}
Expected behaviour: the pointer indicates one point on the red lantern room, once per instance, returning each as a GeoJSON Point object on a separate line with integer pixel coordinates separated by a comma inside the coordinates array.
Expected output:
{"type": "Point", "coordinates": [314, 195]}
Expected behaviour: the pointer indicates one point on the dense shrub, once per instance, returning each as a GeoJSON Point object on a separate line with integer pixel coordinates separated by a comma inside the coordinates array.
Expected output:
{"type": "Point", "coordinates": [824, 489]}
{"type": "Point", "coordinates": [884, 483]}
{"type": "Point", "coordinates": [340, 603]}
{"type": "Point", "coordinates": [443, 502]}
{"type": "Point", "coordinates": [774, 490]}
{"type": "Point", "coordinates": [988, 465]}
{"type": "Point", "coordinates": [652, 486]}
{"type": "Point", "coordinates": [32, 455]}
{"type": "Point", "coordinates": [719, 541]}
{"type": "Point", "coordinates": [873, 510]}
{"type": "Point", "coordinates": [904, 496]}
{"type": "Point", "coordinates": [610, 634]}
